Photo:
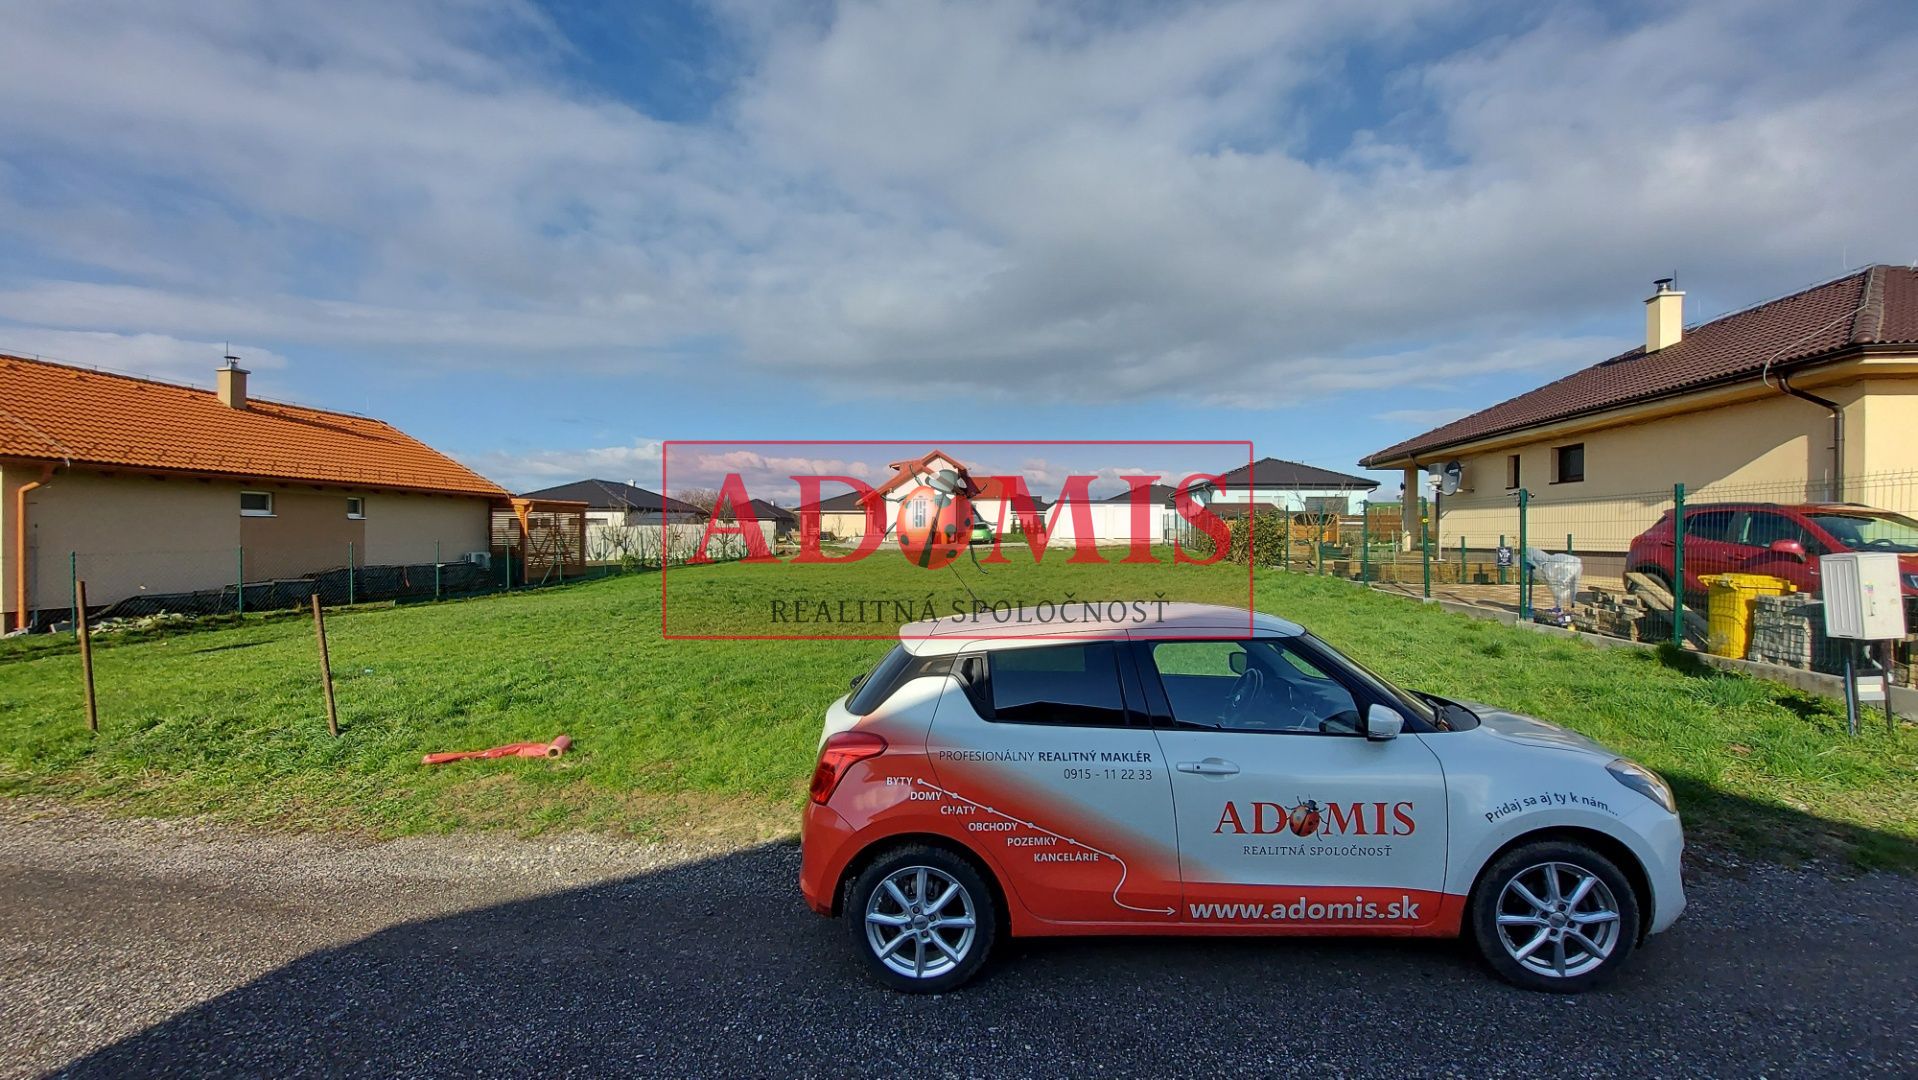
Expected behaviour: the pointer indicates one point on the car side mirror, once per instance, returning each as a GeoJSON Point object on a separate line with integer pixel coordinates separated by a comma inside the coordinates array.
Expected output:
{"type": "Point", "coordinates": [1788, 547]}
{"type": "Point", "coordinates": [1383, 722]}
{"type": "Point", "coordinates": [1237, 663]}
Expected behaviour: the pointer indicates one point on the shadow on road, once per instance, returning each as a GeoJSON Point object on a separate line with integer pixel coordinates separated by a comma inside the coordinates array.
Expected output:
{"type": "Point", "coordinates": [715, 968]}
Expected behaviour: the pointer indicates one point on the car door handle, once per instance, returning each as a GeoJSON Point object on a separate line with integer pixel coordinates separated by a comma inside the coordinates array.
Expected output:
{"type": "Point", "coordinates": [1209, 767]}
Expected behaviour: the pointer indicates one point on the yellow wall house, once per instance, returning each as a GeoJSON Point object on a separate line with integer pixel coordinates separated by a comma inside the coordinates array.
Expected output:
{"type": "Point", "coordinates": [155, 488]}
{"type": "Point", "coordinates": [1812, 397]}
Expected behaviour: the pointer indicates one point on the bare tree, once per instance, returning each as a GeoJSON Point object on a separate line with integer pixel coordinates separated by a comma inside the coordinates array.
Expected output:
{"type": "Point", "coordinates": [703, 498]}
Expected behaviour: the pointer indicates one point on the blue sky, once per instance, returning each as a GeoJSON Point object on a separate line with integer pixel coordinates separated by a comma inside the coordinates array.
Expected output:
{"type": "Point", "coordinates": [546, 237]}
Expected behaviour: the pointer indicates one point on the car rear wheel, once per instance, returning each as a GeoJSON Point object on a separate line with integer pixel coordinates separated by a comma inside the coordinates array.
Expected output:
{"type": "Point", "coordinates": [1555, 916]}
{"type": "Point", "coordinates": [923, 918]}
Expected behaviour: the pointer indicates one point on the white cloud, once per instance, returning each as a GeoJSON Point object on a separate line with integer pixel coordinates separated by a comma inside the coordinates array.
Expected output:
{"type": "Point", "coordinates": [1419, 418]}
{"type": "Point", "coordinates": [636, 464]}
{"type": "Point", "coordinates": [1005, 197]}
{"type": "Point", "coordinates": [155, 356]}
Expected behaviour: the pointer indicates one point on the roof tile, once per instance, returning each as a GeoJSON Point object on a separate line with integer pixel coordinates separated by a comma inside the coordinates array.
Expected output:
{"type": "Point", "coordinates": [1877, 305]}
{"type": "Point", "coordinates": [52, 412]}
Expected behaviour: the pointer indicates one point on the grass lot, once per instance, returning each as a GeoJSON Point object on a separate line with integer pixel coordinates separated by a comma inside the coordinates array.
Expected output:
{"type": "Point", "coordinates": [716, 737]}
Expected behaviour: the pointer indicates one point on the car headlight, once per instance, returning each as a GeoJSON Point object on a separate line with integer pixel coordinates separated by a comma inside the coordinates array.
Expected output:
{"type": "Point", "coordinates": [1644, 781]}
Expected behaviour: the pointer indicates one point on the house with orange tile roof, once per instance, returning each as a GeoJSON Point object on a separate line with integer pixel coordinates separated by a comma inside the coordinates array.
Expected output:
{"type": "Point", "coordinates": [160, 487]}
{"type": "Point", "coordinates": [1809, 397]}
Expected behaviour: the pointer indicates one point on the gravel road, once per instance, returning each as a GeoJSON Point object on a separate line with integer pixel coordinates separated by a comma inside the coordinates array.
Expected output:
{"type": "Point", "coordinates": [142, 947]}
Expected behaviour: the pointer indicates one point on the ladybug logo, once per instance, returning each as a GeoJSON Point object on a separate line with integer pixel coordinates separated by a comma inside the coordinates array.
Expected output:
{"type": "Point", "coordinates": [1305, 818]}
{"type": "Point", "coordinates": [933, 527]}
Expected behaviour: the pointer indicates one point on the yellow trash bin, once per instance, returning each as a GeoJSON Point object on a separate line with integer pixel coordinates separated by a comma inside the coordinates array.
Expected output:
{"type": "Point", "coordinates": [1729, 606]}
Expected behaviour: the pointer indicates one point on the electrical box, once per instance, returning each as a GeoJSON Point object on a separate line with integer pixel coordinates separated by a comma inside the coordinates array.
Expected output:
{"type": "Point", "coordinates": [1862, 594]}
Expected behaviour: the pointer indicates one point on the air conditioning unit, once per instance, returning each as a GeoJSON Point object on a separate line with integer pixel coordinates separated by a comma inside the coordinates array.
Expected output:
{"type": "Point", "coordinates": [481, 559]}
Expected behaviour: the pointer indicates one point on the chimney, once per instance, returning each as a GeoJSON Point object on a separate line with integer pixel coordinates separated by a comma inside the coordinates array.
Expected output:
{"type": "Point", "coordinates": [232, 384]}
{"type": "Point", "coordinates": [1664, 315]}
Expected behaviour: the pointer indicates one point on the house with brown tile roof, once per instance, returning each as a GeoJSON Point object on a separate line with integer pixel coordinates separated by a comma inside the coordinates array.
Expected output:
{"type": "Point", "coordinates": [1809, 397]}
{"type": "Point", "coordinates": [158, 487]}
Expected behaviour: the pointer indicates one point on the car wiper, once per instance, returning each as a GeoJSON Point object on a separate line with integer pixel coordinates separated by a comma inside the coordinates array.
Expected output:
{"type": "Point", "coordinates": [1446, 708]}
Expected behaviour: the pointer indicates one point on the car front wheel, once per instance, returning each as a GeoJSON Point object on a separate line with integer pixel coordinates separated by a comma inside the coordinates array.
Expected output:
{"type": "Point", "coordinates": [923, 918]}
{"type": "Point", "coordinates": [1555, 916]}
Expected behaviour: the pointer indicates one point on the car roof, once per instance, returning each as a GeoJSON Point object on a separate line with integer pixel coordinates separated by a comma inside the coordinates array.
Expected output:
{"type": "Point", "coordinates": [1803, 508]}
{"type": "Point", "coordinates": [1042, 624]}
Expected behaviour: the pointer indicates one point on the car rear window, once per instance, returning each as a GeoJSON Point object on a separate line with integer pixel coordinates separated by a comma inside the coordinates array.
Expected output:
{"type": "Point", "coordinates": [1068, 685]}
{"type": "Point", "coordinates": [879, 683]}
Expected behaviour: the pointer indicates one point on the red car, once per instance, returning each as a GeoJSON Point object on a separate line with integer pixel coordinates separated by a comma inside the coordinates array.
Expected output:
{"type": "Point", "coordinates": [1768, 538]}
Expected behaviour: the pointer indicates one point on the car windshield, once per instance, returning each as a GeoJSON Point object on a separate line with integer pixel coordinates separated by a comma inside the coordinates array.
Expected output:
{"type": "Point", "coordinates": [1871, 532]}
{"type": "Point", "coordinates": [1412, 704]}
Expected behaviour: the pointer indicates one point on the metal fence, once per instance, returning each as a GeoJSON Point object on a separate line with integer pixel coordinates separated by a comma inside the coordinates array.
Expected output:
{"type": "Point", "coordinates": [1726, 568]}
{"type": "Point", "coordinates": [136, 583]}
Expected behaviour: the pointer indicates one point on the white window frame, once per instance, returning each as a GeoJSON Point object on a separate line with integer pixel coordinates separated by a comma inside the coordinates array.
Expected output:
{"type": "Point", "coordinates": [352, 514]}
{"type": "Point", "coordinates": [268, 512]}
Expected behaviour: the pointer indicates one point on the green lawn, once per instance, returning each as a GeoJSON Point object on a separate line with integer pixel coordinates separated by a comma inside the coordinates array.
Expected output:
{"type": "Point", "coordinates": [679, 737]}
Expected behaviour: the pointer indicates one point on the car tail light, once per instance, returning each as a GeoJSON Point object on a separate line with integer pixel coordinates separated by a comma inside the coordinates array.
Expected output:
{"type": "Point", "coordinates": [838, 755]}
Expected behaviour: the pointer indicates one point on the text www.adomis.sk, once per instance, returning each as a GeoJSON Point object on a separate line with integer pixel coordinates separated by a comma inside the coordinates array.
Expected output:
{"type": "Point", "coordinates": [1357, 909]}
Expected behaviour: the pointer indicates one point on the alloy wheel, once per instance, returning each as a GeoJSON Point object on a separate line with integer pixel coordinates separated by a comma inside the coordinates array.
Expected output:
{"type": "Point", "coordinates": [1558, 919]}
{"type": "Point", "coordinates": [920, 922]}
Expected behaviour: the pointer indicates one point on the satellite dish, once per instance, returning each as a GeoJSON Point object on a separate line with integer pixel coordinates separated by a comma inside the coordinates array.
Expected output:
{"type": "Point", "coordinates": [1446, 477]}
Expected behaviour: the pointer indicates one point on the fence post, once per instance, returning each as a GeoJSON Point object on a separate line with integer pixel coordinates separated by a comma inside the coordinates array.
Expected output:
{"type": "Point", "coordinates": [1501, 566]}
{"type": "Point", "coordinates": [1568, 543]}
{"type": "Point", "coordinates": [326, 669]}
{"type": "Point", "coordinates": [1285, 549]}
{"type": "Point", "coordinates": [239, 584]}
{"type": "Point", "coordinates": [86, 651]}
{"type": "Point", "coordinates": [349, 573]}
{"type": "Point", "coordinates": [1365, 545]}
{"type": "Point", "coordinates": [1678, 565]}
{"type": "Point", "coordinates": [1425, 547]}
{"type": "Point", "coordinates": [436, 569]}
{"type": "Point", "coordinates": [1524, 564]}
{"type": "Point", "coordinates": [73, 587]}
{"type": "Point", "coordinates": [1461, 559]}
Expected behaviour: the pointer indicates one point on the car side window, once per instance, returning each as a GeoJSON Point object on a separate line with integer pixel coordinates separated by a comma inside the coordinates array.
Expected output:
{"type": "Point", "coordinates": [1066, 685]}
{"type": "Point", "coordinates": [1763, 529]}
{"type": "Point", "coordinates": [1255, 685]}
{"type": "Point", "coordinates": [1709, 525]}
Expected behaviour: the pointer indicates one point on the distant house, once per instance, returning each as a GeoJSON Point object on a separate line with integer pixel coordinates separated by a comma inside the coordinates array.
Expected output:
{"type": "Point", "coordinates": [1157, 495]}
{"type": "Point", "coordinates": [1286, 485]}
{"type": "Point", "coordinates": [158, 488]}
{"type": "Point", "coordinates": [783, 521]}
{"type": "Point", "coordinates": [609, 502]}
{"type": "Point", "coordinates": [842, 516]}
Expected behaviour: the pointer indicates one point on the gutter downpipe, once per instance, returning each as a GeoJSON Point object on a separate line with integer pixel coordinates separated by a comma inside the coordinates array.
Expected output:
{"type": "Point", "coordinates": [1837, 432]}
{"type": "Point", "coordinates": [20, 543]}
{"type": "Point", "coordinates": [1871, 295]}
